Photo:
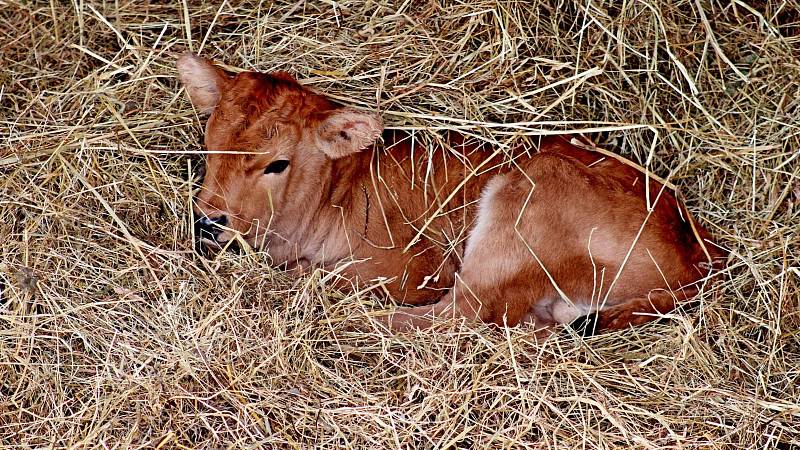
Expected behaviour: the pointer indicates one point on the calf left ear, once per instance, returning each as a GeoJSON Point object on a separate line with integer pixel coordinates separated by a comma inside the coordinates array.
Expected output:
{"type": "Point", "coordinates": [204, 81]}
{"type": "Point", "coordinates": [345, 131]}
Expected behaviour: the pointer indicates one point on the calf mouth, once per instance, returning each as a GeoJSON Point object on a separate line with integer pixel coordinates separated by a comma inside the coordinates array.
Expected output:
{"type": "Point", "coordinates": [210, 248]}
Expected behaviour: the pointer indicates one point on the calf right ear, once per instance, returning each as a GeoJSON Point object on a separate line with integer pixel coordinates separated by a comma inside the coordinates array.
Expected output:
{"type": "Point", "coordinates": [204, 81]}
{"type": "Point", "coordinates": [345, 131]}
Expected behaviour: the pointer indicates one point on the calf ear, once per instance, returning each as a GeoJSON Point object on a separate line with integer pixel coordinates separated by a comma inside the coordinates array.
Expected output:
{"type": "Point", "coordinates": [203, 80]}
{"type": "Point", "coordinates": [347, 130]}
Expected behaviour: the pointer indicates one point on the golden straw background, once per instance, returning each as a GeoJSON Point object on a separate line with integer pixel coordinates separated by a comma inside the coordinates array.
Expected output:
{"type": "Point", "coordinates": [115, 334]}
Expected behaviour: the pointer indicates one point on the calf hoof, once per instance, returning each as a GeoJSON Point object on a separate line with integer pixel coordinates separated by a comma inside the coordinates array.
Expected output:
{"type": "Point", "coordinates": [586, 325]}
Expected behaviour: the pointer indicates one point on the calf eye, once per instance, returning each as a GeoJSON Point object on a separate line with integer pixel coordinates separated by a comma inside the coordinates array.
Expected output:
{"type": "Point", "coordinates": [277, 166]}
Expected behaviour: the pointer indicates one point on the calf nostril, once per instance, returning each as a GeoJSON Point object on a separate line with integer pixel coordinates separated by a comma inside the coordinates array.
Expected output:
{"type": "Point", "coordinates": [210, 227]}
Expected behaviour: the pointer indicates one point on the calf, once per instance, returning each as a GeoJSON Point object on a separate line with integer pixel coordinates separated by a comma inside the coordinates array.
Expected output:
{"type": "Point", "coordinates": [543, 235]}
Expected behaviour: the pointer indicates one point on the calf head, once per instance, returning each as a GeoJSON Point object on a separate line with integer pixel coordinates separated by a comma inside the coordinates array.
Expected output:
{"type": "Point", "coordinates": [268, 140]}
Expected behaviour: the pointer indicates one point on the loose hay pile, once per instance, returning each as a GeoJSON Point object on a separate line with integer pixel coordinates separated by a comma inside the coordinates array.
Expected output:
{"type": "Point", "coordinates": [113, 333]}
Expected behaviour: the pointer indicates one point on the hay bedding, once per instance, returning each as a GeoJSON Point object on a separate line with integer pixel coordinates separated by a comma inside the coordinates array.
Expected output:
{"type": "Point", "coordinates": [113, 333]}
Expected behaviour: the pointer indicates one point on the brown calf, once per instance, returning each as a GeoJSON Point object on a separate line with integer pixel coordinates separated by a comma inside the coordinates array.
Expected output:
{"type": "Point", "coordinates": [545, 236]}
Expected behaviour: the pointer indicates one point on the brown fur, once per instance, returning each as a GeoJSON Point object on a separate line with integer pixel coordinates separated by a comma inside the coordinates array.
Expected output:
{"type": "Point", "coordinates": [460, 231]}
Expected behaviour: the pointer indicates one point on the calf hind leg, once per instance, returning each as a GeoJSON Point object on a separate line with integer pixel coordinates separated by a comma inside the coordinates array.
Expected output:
{"type": "Point", "coordinates": [635, 311]}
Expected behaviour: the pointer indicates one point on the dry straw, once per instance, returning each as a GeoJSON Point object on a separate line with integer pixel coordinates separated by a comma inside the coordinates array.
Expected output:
{"type": "Point", "coordinates": [114, 334]}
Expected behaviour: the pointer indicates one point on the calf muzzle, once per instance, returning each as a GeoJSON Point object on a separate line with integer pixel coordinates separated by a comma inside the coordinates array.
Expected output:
{"type": "Point", "coordinates": [209, 227]}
